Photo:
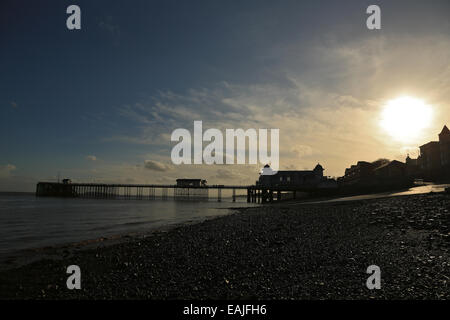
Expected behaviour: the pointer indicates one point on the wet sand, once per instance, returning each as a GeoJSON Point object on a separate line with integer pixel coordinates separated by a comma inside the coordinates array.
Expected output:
{"type": "Point", "coordinates": [279, 251]}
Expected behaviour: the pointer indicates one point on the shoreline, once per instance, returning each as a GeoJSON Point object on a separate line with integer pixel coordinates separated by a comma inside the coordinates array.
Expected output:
{"type": "Point", "coordinates": [279, 251]}
{"type": "Point", "coordinates": [24, 257]}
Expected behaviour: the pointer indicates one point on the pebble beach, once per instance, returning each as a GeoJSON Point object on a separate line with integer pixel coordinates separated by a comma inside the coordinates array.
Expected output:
{"type": "Point", "coordinates": [278, 251]}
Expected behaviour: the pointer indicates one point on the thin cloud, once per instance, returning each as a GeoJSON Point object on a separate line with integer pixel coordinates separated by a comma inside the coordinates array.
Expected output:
{"type": "Point", "coordinates": [225, 174]}
{"type": "Point", "coordinates": [111, 28]}
{"type": "Point", "coordinates": [156, 166]}
{"type": "Point", "coordinates": [6, 170]}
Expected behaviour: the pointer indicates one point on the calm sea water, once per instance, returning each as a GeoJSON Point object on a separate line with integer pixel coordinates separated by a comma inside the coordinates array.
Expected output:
{"type": "Point", "coordinates": [29, 222]}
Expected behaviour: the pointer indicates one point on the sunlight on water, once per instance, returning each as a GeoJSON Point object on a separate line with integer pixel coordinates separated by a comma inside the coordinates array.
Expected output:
{"type": "Point", "coordinates": [414, 190]}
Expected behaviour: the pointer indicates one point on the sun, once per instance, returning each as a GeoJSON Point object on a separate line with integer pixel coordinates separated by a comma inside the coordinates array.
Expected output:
{"type": "Point", "coordinates": [405, 118]}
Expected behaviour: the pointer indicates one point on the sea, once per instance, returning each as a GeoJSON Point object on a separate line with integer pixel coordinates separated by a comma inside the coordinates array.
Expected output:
{"type": "Point", "coordinates": [29, 222]}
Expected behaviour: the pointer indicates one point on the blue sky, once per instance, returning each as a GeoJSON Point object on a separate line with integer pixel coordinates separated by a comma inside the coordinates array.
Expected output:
{"type": "Point", "coordinates": [100, 103]}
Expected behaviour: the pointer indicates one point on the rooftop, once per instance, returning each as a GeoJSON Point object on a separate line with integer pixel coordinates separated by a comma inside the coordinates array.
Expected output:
{"type": "Point", "coordinates": [445, 130]}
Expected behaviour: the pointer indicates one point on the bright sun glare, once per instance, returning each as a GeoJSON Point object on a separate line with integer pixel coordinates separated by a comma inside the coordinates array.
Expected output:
{"type": "Point", "coordinates": [404, 118]}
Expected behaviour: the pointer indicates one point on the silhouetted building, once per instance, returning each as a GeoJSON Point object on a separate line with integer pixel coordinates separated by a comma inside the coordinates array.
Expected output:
{"type": "Point", "coordinates": [296, 178]}
{"type": "Point", "coordinates": [390, 171]}
{"type": "Point", "coordinates": [434, 158]}
{"type": "Point", "coordinates": [371, 174]}
{"type": "Point", "coordinates": [412, 167]}
{"type": "Point", "coordinates": [357, 173]}
{"type": "Point", "coordinates": [444, 146]}
{"type": "Point", "coordinates": [191, 183]}
{"type": "Point", "coordinates": [430, 156]}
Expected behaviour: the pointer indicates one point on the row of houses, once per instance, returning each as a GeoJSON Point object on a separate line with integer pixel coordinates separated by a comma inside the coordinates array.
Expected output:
{"type": "Point", "coordinates": [377, 172]}
{"type": "Point", "coordinates": [433, 163]}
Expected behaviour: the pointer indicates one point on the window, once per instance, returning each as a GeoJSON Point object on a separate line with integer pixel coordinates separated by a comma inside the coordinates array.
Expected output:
{"type": "Point", "coordinates": [288, 179]}
{"type": "Point", "coordinates": [281, 179]}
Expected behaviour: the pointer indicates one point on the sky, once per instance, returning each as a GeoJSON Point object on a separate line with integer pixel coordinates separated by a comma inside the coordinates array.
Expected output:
{"type": "Point", "coordinates": [99, 104]}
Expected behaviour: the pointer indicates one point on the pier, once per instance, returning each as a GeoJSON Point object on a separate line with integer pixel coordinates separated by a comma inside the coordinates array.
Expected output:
{"type": "Point", "coordinates": [254, 194]}
{"type": "Point", "coordinates": [133, 191]}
